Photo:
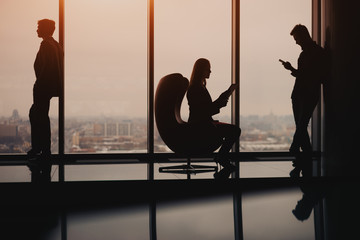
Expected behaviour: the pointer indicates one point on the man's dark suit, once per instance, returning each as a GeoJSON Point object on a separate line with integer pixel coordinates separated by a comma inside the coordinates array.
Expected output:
{"type": "Point", "coordinates": [48, 68]}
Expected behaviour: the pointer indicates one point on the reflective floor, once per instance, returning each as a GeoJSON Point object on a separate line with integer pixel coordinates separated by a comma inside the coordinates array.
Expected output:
{"type": "Point", "coordinates": [253, 207]}
{"type": "Point", "coordinates": [265, 216]}
{"type": "Point", "coordinates": [258, 208]}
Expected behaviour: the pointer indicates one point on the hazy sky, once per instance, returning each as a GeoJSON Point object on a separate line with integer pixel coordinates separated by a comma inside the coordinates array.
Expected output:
{"type": "Point", "coordinates": [106, 51]}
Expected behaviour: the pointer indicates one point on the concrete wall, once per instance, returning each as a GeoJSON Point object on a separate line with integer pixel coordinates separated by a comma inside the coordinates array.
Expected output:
{"type": "Point", "coordinates": [342, 104]}
{"type": "Point", "coordinates": [341, 90]}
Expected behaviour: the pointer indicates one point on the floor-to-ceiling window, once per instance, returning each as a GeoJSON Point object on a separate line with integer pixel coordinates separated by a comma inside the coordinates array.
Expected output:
{"type": "Point", "coordinates": [186, 31]}
{"type": "Point", "coordinates": [19, 45]}
{"type": "Point", "coordinates": [265, 86]}
{"type": "Point", "coordinates": [105, 80]}
{"type": "Point", "coordinates": [105, 76]}
{"type": "Point", "coordinates": [106, 69]}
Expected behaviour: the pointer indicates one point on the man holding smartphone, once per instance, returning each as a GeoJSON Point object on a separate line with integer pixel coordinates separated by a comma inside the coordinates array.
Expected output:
{"type": "Point", "coordinates": [305, 96]}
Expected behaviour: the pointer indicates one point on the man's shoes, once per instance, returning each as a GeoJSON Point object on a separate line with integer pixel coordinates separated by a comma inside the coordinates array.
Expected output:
{"type": "Point", "coordinates": [294, 150]}
{"type": "Point", "coordinates": [33, 153]}
{"type": "Point", "coordinates": [39, 165]}
{"type": "Point", "coordinates": [307, 169]}
{"type": "Point", "coordinates": [223, 161]}
{"type": "Point", "coordinates": [225, 172]}
{"type": "Point", "coordinates": [295, 173]}
{"type": "Point", "coordinates": [303, 164]}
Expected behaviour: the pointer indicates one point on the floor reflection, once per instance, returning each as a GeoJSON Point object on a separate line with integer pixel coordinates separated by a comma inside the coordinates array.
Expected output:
{"type": "Point", "coordinates": [268, 215]}
{"type": "Point", "coordinates": [205, 218]}
{"type": "Point", "coordinates": [257, 208]}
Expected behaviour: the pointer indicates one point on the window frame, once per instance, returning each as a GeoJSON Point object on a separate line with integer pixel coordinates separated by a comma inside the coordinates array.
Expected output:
{"type": "Point", "coordinates": [63, 158]}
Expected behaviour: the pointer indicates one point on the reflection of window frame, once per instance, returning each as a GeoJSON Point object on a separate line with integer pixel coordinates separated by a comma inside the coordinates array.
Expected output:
{"type": "Point", "coordinates": [235, 78]}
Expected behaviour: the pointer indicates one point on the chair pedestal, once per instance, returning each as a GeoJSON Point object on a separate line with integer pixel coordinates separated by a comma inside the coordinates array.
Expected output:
{"type": "Point", "coordinates": [188, 169]}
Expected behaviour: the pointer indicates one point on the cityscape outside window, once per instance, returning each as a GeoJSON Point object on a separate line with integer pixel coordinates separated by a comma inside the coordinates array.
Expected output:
{"type": "Point", "coordinates": [106, 69]}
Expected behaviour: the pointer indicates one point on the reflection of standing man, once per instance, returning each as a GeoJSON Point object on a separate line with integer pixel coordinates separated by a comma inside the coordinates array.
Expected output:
{"type": "Point", "coordinates": [48, 68]}
{"type": "Point", "coordinates": [305, 96]}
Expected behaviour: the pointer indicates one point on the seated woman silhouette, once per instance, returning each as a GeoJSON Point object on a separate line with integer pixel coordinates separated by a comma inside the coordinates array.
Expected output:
{"type": "Point", "coordinates": [202, 108]}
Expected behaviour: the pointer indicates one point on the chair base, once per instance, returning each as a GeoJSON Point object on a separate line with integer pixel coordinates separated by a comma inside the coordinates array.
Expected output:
{"type": "Point", "coordinates": [188, 169]}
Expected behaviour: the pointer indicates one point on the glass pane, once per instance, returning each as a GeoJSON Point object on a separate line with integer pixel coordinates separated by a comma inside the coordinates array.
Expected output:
{"type": "Point", "coordinates": [18, 49]}
{"type": "Point", "coordinates": [186, 31]}
{"type": "Point", "coordinates": [105, 76]}
{"type": "Point", "coordinates": [265, 86]}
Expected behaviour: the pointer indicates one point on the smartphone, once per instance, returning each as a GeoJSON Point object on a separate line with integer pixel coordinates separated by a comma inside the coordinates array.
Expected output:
{"type": "Point", "coordinates": [231, 89]}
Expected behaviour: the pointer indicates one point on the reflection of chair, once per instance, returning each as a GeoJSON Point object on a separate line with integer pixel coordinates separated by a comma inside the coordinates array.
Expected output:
{"type": "Point", "coordinates": [180, 136]}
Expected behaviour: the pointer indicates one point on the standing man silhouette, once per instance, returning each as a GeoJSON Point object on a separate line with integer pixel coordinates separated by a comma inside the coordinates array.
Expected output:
{"type": "Point", "coordinates": [305, 96]}
{"type": "Point", "coordinates": [48, 68]}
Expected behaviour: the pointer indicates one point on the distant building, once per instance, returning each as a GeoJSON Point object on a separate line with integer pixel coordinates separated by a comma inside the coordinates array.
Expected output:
{"type": "Point", "coordinates": [115, 129]}
{"type": "Point", "coordinates": [76, 139]}
{"type": "Point", "coordinates": [8, 130]}
{"type": "Point", "coordinates": [125, 129]}
{"type": "Point", "coordinates": [15, 115]}
{"type": "Point", "coordinates": [111, 129]}
{"type": "Point", "coordinates": [98, 129]}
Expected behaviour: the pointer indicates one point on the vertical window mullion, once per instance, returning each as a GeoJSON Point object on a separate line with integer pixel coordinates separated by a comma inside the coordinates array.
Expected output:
{"type": "Point", "coordinates": [235, 109]}
{"type": "Point", "coordinates": [150, 79]}
{"type": "Point", "coordinates": [235, 70]}
{"type": "Point", "coordinates": [61, 97]}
